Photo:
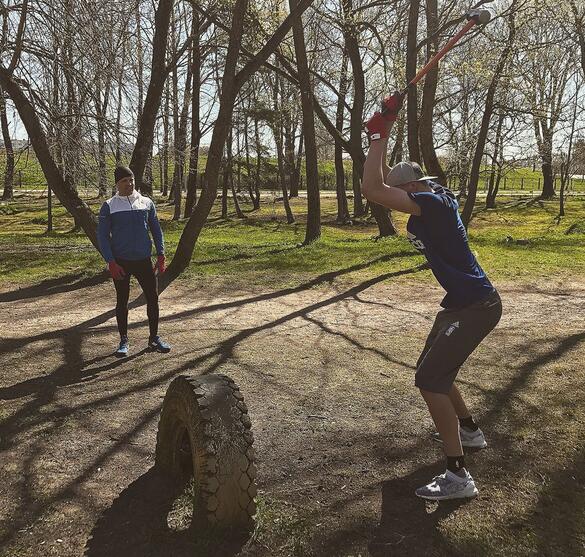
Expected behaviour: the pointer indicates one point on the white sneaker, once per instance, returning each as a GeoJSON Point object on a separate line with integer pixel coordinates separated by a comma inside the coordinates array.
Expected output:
{"type": "Point", "coordinates": [448, 486]}
{"type": "Point", "coordinates": [474, 439]}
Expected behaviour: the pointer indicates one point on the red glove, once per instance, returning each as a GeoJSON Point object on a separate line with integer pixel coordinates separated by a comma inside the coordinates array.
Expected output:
{"type": "Point", "coordinates": [378, 127]}
{"type": "Point", "coordinates": [379, 124]}
{"type": "Point", "coordinates": [160, 264]}
{"type": "Point", "coordinates": [391, 106]}
{"type": "Point", "coordinates": [117, 271]}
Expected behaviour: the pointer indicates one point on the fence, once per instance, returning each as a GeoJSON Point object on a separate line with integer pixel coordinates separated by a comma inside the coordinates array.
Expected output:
{"type": "Point", "coordinates": [327, 182]}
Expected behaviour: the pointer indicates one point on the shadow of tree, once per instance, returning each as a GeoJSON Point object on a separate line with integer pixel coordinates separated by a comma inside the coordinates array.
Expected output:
{"type": "Point", "coordinates": [67, 283]}
{"type": "Point", "coordinates": [36, 411]}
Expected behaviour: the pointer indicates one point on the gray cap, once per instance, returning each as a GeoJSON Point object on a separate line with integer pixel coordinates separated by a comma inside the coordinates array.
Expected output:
{"type": "Point", "coordinates": [405, 172]}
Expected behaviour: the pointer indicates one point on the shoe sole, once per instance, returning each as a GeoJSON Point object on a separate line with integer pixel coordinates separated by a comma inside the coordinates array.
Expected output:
{"type": "Point", "coordinates": [157, 349]}
{"type": "Point", "coordinates": [121, 354]}
{"type": "Point", "coordinates": [447, 497]}
{"type": "Point", "coordinates": [466, 445]}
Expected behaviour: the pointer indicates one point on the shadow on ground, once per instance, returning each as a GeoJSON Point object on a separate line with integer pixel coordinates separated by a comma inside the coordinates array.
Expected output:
{"type": "Point", "coordinates": [136, 525]}
{"type": "Point", "coordinates": [67, 283]}
{"type": "Point", "coordinates": [408, 523]}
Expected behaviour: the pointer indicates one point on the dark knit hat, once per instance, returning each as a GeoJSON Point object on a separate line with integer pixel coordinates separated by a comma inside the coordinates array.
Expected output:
{"type": "Point", "coordinates": [122, 172]}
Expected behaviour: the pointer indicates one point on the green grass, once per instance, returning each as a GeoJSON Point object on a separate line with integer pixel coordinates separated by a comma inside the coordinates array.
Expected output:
{"type": "Point", "coordinates": [525, 179]}
{"type": "Point", "coordinates": [264, 251]}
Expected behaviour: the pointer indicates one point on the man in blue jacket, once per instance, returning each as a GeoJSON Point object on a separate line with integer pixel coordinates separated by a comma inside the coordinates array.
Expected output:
{"type": "Point", "coordinates": [124, 222]}
{"type": "Point", "coordinates": [472, 306]}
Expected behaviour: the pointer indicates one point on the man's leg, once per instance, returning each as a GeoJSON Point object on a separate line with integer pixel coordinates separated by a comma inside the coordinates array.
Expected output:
{"type": "Point", "coordinates": [122, 294]}
{"type": "Point", "coordinates": [445, 419]}
{"type": "Point", "coordinates": [458, 403]}
{"type": "Point", "coordinates": [147, 280]}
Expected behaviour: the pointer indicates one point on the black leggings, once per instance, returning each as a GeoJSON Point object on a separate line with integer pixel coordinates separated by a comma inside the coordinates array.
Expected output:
{"type": "Point", "coordinates": [145, 276]}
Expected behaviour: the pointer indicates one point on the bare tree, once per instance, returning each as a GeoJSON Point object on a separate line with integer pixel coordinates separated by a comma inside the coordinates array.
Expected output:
{"type": "Point", "coordinates": [9, 151]}
{"type": "Point", "coordinates": [313, 230]}
{"type": "Point", "coordinates": [487, 115]}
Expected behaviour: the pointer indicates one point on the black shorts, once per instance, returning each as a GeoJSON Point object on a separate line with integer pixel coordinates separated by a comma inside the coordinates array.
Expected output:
{"type": "Point", "coordinates": [455, 334]}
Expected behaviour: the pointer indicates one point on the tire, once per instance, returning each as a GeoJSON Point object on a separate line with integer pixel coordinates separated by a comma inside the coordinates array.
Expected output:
{"type": "Point", "coordinates": [205, 432]}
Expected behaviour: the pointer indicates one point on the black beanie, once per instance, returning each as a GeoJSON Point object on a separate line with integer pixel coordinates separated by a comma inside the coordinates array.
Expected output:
{"type": "Point", "coordinates": [122, 172]}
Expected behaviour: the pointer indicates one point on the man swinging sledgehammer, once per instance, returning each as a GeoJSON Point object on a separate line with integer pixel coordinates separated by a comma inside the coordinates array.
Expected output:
{"type": "Point", "coordinates": [472, 306]}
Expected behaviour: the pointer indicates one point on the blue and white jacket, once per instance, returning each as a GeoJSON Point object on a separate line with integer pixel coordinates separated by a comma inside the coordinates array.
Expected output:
{"type": "Point", "coordinates": [123, 226]}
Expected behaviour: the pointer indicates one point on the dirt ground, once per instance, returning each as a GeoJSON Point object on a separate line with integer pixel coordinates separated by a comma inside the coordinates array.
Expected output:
{"type": "Point", "coordinates": [342, 436]}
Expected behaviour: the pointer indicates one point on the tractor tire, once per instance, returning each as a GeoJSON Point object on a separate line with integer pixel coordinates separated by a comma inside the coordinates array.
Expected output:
{"type": "Point", "coordinates": [205, 432]}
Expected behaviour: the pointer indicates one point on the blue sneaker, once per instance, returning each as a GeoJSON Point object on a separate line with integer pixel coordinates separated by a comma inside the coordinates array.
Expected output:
{"type": "Point", "coordinates": [158, 344]}
{"type": "Point", "coordinates": [122, 351]}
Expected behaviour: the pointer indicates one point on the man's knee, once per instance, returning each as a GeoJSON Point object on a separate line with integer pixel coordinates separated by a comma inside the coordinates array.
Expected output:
{"type": "Point", "coordinates": [151, 299]}
{"type": "Point", "coordinates": [431, 383]}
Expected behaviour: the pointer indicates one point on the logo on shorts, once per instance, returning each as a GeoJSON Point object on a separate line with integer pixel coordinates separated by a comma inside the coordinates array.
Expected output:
{"type": "Point", "coordinates": [415, 242]}
{"type": "Point", "coordinates": [451, 328]}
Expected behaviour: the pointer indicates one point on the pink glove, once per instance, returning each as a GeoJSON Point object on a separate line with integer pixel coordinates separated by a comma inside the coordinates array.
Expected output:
{"type": "Point", "coordinates": [117, 271]}
{"type": "Point", "coordinates": [160, 264]}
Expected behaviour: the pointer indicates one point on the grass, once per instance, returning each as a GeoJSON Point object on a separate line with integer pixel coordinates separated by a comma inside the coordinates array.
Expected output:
{"type": "Point", "coordinates": [519, 240]}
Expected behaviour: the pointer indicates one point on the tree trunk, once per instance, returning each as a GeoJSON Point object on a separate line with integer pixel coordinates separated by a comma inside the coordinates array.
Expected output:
{"type": "Point", "coordinates": [158, 76]}
{"type": "Point", "coordinates": [427, 143]}
{"type": "Point", "coordinates": [548, 188]}
{"type": "Point", "coordinates": [258, 161]}
{"type": "Point", "coordinates": [195, 122]}
{"type": "Point", "coordinates": [313, 230]}
{"type": "Point", "coordinates": [277, 131]}
{"type": "Point", "coordinates": [181, 140]}
{"type": "Point", "coordinates": [357, 110]}
{"type": "Point", "coordinates": [8, 192]}
{"type": "Point", "coordinates": [101, 107]}
{"type": "Point", "coordinates": [230, 174]}
{"type": "Point", "coordinates": [463, 151]}
{"type": "Point", "coordinates": [289, 154]}
{"type": "Point", "coordinates": [485, 123]}
{"type": "Point", "coordinates": [118, 131]}
{"type": "Point", "coordinates": [412, 98]}
{"type": "Point", "coordinates": [295, 182]}
{"type": "Point", "coordinates": [397, 151]}
{"type": "Point", "coordinates": [166, 141]}
{"type": "Point", "coordinates": [249, 177]}
{"type": "Point", "coordinates": [342, 208]}
{"type": "Point", "coordinates": [224, 191]}
{"type": "Point", "coordinates": [490, 200]}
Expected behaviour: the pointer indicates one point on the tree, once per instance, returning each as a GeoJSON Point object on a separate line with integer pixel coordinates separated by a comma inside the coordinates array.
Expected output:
{"type": "Point", "coordinates": [232, 83]}
{"type": "Point", "coordinates": [487, 115]}
{"type": "Point", "coordinates": [313, 230]}
{"type": "Point", "coordinates": [158, 76]}
{"type": "Point", "coordinates": [8, 149]}
{"type": "Point", "coordinates": [544, 81]}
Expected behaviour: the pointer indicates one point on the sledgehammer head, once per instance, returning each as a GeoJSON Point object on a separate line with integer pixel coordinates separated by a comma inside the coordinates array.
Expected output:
{"type": "Point", "coordinates": [481, 17]}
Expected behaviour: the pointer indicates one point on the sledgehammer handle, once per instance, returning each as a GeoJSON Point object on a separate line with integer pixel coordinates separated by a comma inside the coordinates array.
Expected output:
{"type": "Point", "coordinates": [435, 59]}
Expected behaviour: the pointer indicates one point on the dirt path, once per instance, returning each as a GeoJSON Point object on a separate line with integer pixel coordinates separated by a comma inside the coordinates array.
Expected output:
{"type": "Point", "coordinates": [341, 434]}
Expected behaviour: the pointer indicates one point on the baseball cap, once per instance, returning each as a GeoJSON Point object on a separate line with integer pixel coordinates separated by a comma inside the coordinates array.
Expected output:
{"type": "Point", "coordinates": [405, 172]}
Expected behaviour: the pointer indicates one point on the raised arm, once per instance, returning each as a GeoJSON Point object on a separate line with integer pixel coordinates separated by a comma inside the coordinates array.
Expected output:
{"type": "Point", "coordinates": [375, 168]}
